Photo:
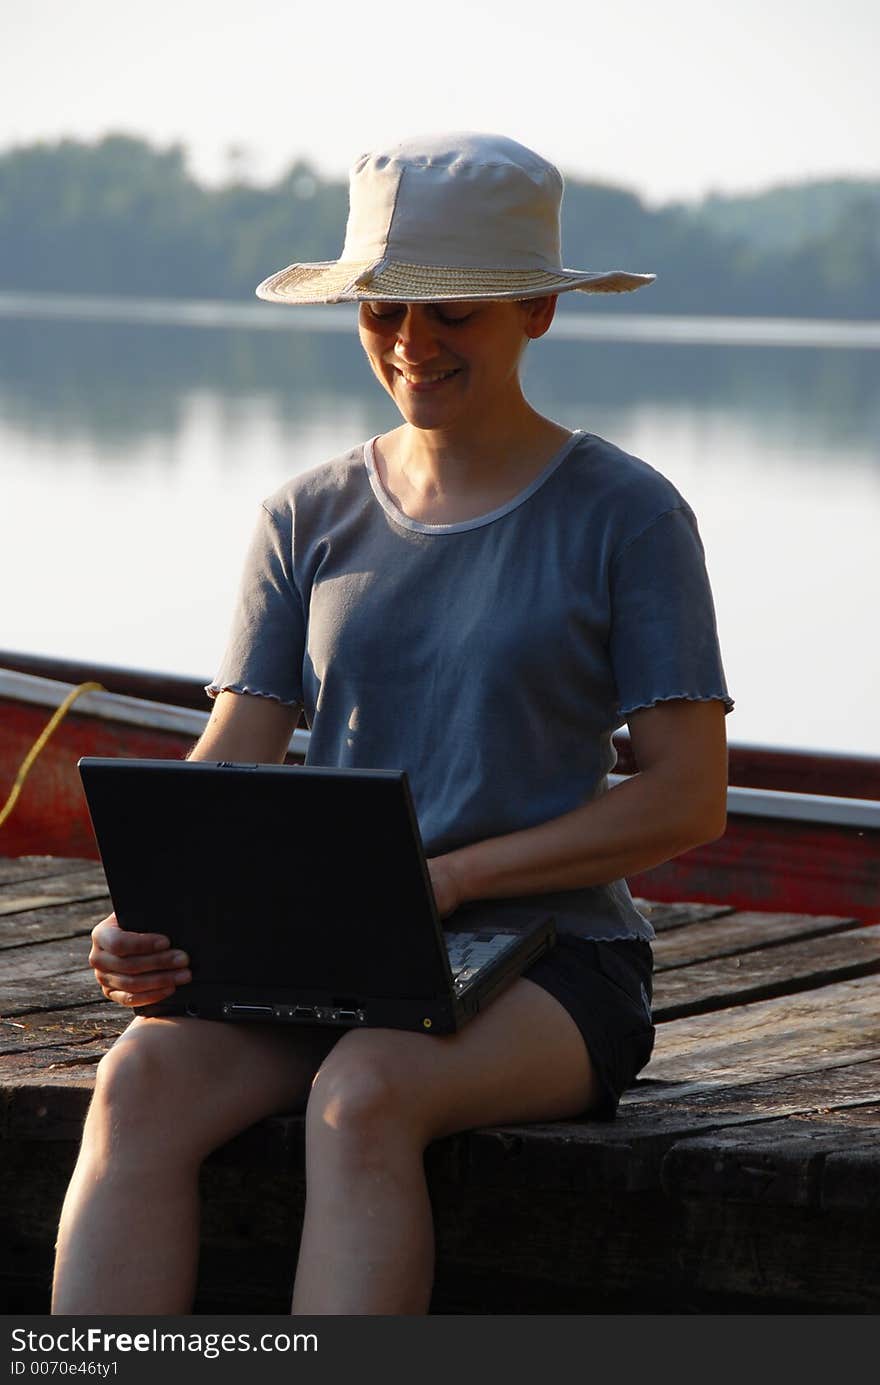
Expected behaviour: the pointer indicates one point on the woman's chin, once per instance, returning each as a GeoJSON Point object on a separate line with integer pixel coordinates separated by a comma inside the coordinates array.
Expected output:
{"type": "Point", "coordinates": [427, 413]}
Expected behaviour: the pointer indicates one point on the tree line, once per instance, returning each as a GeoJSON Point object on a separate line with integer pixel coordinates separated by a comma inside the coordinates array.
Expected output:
{"type": "Point", "coordinates": [121, 216]}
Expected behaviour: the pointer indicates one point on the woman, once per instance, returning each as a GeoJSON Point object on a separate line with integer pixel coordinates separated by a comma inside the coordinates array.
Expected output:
{"type": "Point", "coordinates": [480, 597]}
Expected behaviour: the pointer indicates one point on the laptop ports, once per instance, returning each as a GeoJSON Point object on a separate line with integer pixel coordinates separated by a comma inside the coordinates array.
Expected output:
{"type": "Point", "coordinates": [248, 1012]}
{"type": "Point", "coordinates": [345, 1010]}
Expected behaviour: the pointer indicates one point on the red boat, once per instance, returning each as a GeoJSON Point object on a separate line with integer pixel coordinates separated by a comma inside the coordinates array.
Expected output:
{"type": "Point", "coordinates": [803, 833]}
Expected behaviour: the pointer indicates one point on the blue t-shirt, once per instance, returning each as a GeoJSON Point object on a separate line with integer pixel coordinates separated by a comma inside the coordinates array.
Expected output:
{"type": "Point", "coordinates": [492, 659]}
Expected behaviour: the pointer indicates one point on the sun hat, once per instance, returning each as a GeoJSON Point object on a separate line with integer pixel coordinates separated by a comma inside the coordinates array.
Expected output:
{"type": "Point", "coordinates": [450, 216]}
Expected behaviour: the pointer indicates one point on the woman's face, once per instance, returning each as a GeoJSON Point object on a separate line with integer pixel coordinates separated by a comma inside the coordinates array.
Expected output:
{"type": "Point", "coordinates": [448, 364]}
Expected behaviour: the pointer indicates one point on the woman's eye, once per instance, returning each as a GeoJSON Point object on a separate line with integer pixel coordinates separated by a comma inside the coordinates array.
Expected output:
{"type": "Point", "coordinates": [389, 312]}
{"type": "Point", "coordinates": [382, 310]}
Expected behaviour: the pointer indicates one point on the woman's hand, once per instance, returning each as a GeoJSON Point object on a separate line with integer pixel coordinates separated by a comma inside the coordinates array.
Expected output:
{"type": "Point", "coordinates": [447, 890]}
{"type": "Point", "coordinates": [135, 968]}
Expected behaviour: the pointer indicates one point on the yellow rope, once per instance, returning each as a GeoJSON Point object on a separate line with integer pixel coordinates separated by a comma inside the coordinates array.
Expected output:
{"type": "Point", "coordinates": [41, 740]}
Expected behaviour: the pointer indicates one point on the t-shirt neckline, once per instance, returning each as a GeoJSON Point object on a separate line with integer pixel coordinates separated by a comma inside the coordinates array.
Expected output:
{"type": "Point", "coordinates": [420, 527]}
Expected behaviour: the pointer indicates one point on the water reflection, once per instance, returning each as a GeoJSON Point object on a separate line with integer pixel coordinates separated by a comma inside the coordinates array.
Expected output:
{"type": "Point", "coordinates": [112, 386]}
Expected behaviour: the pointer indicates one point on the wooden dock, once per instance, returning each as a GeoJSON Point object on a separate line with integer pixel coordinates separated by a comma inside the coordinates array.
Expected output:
{"type": "Point", "coordinates": [742, 1174]}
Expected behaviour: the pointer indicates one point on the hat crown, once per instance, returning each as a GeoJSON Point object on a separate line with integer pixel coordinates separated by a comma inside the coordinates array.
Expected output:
{"type": "Point", "coordinates": [466, 200]}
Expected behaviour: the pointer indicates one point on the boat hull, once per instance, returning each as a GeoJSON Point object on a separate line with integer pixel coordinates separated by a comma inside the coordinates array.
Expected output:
{"type": "Point", "coordinates": [50, 817]}
{"type": "Point", "coordinates": [784, 867]}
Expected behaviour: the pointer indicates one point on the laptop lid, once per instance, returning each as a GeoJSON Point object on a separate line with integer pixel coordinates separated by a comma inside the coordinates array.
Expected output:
{"type": "Point", "coordinates": [320, 870]}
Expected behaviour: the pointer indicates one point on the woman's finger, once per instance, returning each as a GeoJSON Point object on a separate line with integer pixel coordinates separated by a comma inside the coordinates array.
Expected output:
{"type": "Point", "coordinates": [139, 985]}
{"type": "Point", "coordinates": [100, 959]}
{"type": "Point", "coordinates": [133, 1000]}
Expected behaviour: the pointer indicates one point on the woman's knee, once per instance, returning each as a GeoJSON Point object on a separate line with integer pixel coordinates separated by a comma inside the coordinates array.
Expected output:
{"type": "Point", "coordinates": [142, 1094]}
{"type": "Point", "coordinates": [358, 1097]}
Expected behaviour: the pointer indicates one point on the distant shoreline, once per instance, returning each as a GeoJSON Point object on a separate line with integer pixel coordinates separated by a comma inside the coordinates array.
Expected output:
{"type": "Point", "coordinates": [578, 325]}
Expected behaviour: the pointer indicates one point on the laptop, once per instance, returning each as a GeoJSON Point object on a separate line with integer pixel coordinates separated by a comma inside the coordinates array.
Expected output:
{"type": "Point", "coordinates": [301, 895]}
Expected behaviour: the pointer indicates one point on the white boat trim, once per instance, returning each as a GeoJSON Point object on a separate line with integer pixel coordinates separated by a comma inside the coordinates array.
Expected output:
{"type": "Point", "coordinates": [804, 807]}
{"type": "Point", "coordinates": [108, 706]}
{"type": "Point", "coordinates": [824, 809]}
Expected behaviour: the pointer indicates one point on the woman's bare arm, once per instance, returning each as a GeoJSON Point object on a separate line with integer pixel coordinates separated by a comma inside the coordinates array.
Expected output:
{"type": "Point", "coordinates": [675, 802]}
{"type": "Point", "coordinates": [248, 728]}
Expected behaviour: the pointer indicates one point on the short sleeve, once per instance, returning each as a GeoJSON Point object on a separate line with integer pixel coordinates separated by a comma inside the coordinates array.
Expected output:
{"type": "Point", "coordinates": [264, 653]}
{"type": "Point", "coordinates": [664, 638]}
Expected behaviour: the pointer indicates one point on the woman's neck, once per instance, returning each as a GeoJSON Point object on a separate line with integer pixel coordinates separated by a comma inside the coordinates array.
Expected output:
{"type": "Point", "coordinates": [440, 478]}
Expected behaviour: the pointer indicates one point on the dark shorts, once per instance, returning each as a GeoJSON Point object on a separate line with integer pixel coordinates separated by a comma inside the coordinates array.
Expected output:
{"type": "Point", "coordinates": [606, 988]}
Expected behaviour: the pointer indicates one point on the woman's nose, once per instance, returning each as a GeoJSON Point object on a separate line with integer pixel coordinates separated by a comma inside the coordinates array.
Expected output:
{"type": "Point", "coordinates": [415, 340]}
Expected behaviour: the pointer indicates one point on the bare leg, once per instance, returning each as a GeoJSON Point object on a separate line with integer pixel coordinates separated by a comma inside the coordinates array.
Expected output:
{"type": "Point", "coordinates": [368, 1235]}
{"type": "Point", "coordinates": [379, 1098]}
{"type": "Point", "coordinates": [167, 1093]}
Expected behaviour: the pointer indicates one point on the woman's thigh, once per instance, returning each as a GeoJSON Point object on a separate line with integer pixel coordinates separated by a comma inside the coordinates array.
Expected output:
{"type": "Point", "coordinates": [199, 1082]}
{"type": "Point", "coordinates": [523, 1058]}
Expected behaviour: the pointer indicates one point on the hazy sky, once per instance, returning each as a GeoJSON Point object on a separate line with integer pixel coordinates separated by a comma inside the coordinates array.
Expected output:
{"type": "Point", "coordinates": [672, 98]}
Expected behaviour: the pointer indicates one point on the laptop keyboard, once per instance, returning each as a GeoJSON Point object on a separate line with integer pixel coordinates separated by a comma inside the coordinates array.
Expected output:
{"type": "Point", "coordinates": [468, 952]}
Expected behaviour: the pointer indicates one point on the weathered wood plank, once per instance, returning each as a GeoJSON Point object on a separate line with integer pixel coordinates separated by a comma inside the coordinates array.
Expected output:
{"type": "Point", "coordinates": [36, 961]}
{"type": "Point", "coordinates": [44, 1064]}
{"type": "Point", "coordinates": [46, 976]}
{"type": "Point", "coordinates": [628, 1154]}
{"type": "Point", "coordinates": [850, 1181]}
{"type": "Point", "coordinates": [56, 1028]}
{"type": "Point", "coordinates": [52, 1110]}
{"type": "Point", "coordinates": [741, 931]}
{"type": "Point", "coordinates": [771, 1038]}
{"type": "Point", "coordinates": [14, 869]}
{"type": "Point", "coordinates": [55, 993]}
{"type": "Point", "coordinates": [810, 963]}
{"type": "Point", "coordinates": [664, 917]}
{"type": "Point", "coordinates": [691, 1107]}
{"type": "Point", "coordinates": [780, 1162]}
{"type": "Point", "coordinates": [46, 925]}
{"type": "Point", "coordinates": [789, 1259]}
{"type": "Point", "coordinates": [87, 882]}
{"type": "Point", "coordinates": [61, 1033]}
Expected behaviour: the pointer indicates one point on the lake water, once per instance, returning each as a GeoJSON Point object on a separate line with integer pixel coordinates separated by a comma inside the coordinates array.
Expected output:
{"type": "Point", "coordinates": [137, 441]}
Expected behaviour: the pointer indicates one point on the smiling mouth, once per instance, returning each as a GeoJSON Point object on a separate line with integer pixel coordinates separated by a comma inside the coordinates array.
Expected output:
{"type": "Point", "coordinates": [422, 381]}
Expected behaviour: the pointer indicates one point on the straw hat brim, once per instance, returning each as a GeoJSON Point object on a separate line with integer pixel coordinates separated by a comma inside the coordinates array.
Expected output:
{"type": "Point", "coordinates": [346, 281]}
